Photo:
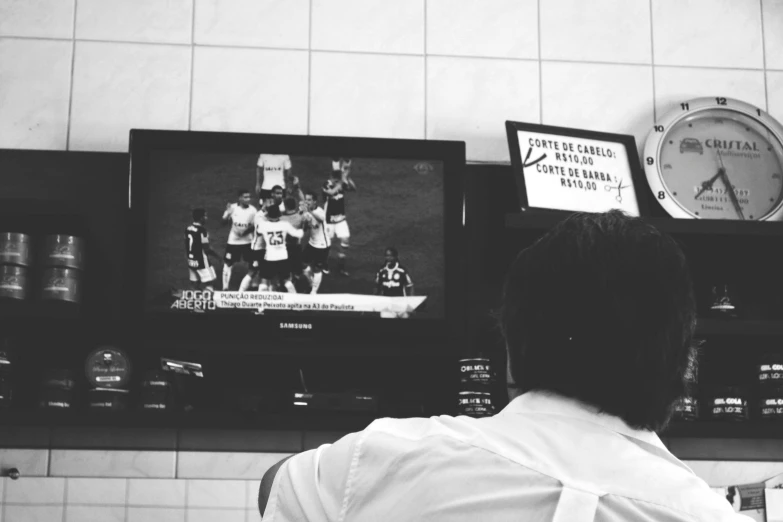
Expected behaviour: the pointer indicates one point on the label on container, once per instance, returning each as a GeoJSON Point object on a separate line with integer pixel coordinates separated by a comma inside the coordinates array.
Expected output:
{"type": "Point", "coordinates": [475, 404]}
{"type": "Point", "coordinates": [478, 371]}
{"type": "Point", "coordinates": [729, 408]}
{"type": "Point", "coordinates": [770, 374]}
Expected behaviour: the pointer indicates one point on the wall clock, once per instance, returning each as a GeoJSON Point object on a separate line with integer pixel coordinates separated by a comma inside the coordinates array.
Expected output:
{"type": "Point", "coordinates": [717, 158]}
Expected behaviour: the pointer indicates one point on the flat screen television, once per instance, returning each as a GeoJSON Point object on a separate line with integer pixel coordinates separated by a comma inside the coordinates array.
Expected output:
{"type": "Point", "coordinates": [291, 244]}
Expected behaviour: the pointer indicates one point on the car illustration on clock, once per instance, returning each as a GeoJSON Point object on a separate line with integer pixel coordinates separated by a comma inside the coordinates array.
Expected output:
{"type": "Point", "coordinates": [691, 145]}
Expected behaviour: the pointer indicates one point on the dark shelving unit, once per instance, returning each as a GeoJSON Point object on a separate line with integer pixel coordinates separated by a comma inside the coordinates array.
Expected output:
{"type": "Point", "coordinates": [724, 430]}
{"type": "Point", "coordinates": [545, 220]}
{"type": "Point", "coordinates": [750, 327]}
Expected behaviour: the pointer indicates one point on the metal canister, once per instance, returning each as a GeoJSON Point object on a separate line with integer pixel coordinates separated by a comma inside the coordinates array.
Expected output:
{"type": "Point", "coordinates": [771, 405]}
{"type": "Point", "coordinates": [13, 281]}
{"type": "Point", "coordinates": [155, 392]}
{"type": "Point", "coordinates": [14, 249]}
{"type": "Point", "coordinates": [476, 372]}
{"type": "Point", "coordinates": [770, 371]}
{"type": "Point", "coordinates": [475, 404]}
{"type": "Point", "coordinates": [687, 409]}
{"type": "Point", "coordinates": [61, 284]}
{"type": "Point", "coordinates": [729, 404]}
{"type": "Point", "coordinates": [63, 250]}
{"type": "Point", "coordinates": [107, 399]}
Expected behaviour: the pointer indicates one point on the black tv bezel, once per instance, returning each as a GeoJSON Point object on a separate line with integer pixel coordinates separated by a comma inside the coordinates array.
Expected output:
{"type": "Point", "coordinates": [368, 336]}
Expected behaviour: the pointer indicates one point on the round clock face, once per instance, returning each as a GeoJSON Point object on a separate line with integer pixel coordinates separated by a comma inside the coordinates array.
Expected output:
{"type": "Point", "coordinates": [717, 159]}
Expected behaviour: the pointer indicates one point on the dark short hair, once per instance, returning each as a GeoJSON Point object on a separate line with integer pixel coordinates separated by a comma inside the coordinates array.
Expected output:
{"type": "Point", "coordinates": [601, 309]}
{"type": "Point", "coordinates": [337, 174]}
{"type": "Point", "coordinates": [276, 187]}
{"type": "Point", "coordinates": [290, 203]}
{"type": "Point", "coordinates": [273, 212]}
{"type": "Point", "coordinates": [311, 193]}
{"type": "Point", "coordinates": [242, 192]}
{"type": "Point", "coordinates": [199, 214]}
{"type": "Point", "coordinates": [393, 251]}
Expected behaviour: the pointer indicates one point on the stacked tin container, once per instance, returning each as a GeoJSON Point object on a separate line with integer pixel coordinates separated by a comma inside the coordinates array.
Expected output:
{"type": "Point", "coordinates": [59, 267]}
{"type": "Point", "coordinates": [62, 263]}
{"type": "Point", "coordinates": [15, 261]}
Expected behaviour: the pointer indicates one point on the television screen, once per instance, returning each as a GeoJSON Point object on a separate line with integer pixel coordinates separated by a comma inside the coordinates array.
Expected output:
{"type": "Point", "coordinates": [275, 233]}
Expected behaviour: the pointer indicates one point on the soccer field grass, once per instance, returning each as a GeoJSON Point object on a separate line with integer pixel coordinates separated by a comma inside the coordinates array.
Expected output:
{"type": "Point", "coordinates": [395, 205]}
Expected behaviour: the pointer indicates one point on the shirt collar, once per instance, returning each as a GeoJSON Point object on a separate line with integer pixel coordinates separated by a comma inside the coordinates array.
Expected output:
{"type": "Point", "coordinates": [392, 269]}
{"type": "Point", "coordinates": [553, 404]}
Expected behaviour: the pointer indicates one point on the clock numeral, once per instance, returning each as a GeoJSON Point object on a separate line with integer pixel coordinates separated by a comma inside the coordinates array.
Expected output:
{"type": "Point", "coordinates": [721, 101]}
{"type": "Point", "coordinates": [661, 195]}
{"type": "Point", "coordinates": [685, 106]}
{"type": "Point", "coordinates": [650, 161]}
{"type": "Point", "coordinates": [658, 128]}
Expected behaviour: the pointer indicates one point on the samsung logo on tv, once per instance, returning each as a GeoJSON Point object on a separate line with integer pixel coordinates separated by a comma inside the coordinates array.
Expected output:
{"type": "Point", "coordinates": [296, 326]}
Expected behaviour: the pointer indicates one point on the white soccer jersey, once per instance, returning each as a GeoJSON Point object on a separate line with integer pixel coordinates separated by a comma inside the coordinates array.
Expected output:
{"type": "Point", "coordinates": [258, 241]}
{"type": "Point", "coordinates": [317, 228]}
{"type": "Point", "coordinates": [241, 224]}
{"type": "Point", "coordinates": [274, 166]}
{"type": "Point", "coordinates": [273, 235]}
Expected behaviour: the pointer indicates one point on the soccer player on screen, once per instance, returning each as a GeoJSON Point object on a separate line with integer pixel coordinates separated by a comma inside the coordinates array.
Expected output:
{"type": "Point", "coordinates": [271, 170]}
{"type": "Point", "coordinates": [276, 267]}
{"type": "Point", "coordinates": [197, 250]}
{"type": "Point", "coordinates": [393, 280]}
{"type": "Point", "coordinates": [241, 215]}
{"type": "Point", "coordinates": [337, 229]}
{"type": "Point", "coordinates": [256, 249]}
{"type": "Point", "coordinates": [278, 195]}
{"type": "Point", "coordinates": [316, 252]}
{"type": "Point", "coordinates": [294, 215]}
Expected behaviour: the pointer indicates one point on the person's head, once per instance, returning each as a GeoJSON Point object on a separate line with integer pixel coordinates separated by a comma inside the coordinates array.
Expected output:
{"type": "Point", "coordinates": [311, 199]}
{"type": "Point", "coordinates": [269, 202]}
{"type": "Point", "coordinates": [290, 204]}
{"type": "Point", "coordinates": [337, 175]}
{"type": "Point", "coordinates": [392, 256]}
{"type": "Point", "coordinates": [277, 194]}
{"type": "Point", "coordinates": [243, 198]}
{"type": "Point", "coordinates": [199, 215]}
{"type": "Point", "coordinates": [273, 213]}
{"type": "Point", "coordinates": [601, 309]}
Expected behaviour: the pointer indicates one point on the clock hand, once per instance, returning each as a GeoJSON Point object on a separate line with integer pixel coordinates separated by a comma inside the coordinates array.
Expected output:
{"type": "Point", "coordinates": [720, 159]}
{"type": "Point", "coordinates": [707, 185]}
{"type": "Point", "coordinates": [732, 195]}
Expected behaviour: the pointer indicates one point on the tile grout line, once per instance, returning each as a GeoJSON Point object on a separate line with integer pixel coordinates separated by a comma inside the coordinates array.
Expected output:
{"type": "Point", "coordinates": [192, 62]}
{"type": "Point", "coordinates": [70, 90]}
{"type": "Point", "coordinates": [65, 498]}
{"type": "Point", "coordinates": [309, 64]}
{"type": "Point", "coordinates": [4, 495]}
{"type": "Point", "coordinates": [187, 498]}
{"type": "Point", "coordinates": [540, 67]}
{"type": "Point", "coordinates": [652, 59]}
{"type": "Point", "coordinates": [764, 56]}
{"type": "Point", "coordinates": [375, 53]}
{"type": "Point", "coordinates": [426, 71]}
{"type": "Point", "coordinates": [127, 498]}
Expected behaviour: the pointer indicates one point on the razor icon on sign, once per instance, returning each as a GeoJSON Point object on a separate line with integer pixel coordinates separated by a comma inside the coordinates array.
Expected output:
{"type": "Point", "coordinates": [525, 164]}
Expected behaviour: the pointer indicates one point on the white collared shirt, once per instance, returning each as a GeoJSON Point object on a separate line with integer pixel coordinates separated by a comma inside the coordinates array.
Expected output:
{"type": "Point", "coordinates": [543, 458]}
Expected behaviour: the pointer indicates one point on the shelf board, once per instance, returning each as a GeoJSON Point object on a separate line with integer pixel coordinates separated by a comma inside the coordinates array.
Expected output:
{"type": "Point", "coordinates": [311, 421]}
{"type": "Point", "coordinates": [724, 430]}
{"type": "Point", "coordinates": [759, 328]}
{"type": "Point", "coordinates": [544, 221]}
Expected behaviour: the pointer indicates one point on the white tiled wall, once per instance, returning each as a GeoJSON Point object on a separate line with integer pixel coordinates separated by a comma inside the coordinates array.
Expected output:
{"type": "Point", "coordinates": [128, 500]}
{"type": "Point", "coordinates": [78, 74]}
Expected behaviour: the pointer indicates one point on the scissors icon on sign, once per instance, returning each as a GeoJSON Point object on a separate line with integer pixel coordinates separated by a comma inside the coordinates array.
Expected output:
{"type": "Point", "coordinates": [618, 188]}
